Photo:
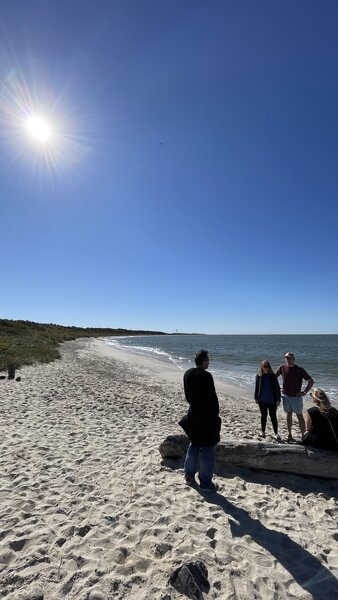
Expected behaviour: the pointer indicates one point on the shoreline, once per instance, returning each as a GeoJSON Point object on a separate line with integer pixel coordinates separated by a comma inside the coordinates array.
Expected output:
{"type": "Point", "coordinates": [236, 363]}
{"type": "Point", "coordinates": [90, 511]}
{"type": "Point", "coordinates": [171, 372]}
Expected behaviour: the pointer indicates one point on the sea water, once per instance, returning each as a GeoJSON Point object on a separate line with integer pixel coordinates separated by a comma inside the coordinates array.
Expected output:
{"type": "Point", "coordinates": [236, 358]}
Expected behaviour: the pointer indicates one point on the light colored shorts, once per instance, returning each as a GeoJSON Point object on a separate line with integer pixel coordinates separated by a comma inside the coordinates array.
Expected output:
{"type": "Point", "coordinates": [293, 404]}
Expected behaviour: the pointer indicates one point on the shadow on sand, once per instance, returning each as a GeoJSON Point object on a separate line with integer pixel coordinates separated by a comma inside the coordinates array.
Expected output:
{"type": "Point", "coordinates": [305, 569]}
{"type": "Point", "coordinates": [299, 484]}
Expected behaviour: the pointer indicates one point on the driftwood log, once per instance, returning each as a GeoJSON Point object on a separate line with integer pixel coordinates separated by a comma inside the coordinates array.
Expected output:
{"type": "Point", "coordinates": [289, 458]}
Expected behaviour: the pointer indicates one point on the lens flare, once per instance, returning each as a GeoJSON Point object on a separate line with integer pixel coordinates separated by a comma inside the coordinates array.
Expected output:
{"type": "Point", "coordinates": [46, 130]}
{"type": "Point", "coordinates": [39, 129]}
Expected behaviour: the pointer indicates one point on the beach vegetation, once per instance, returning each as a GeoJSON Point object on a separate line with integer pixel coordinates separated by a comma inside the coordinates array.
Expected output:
{"type": "Point", "coordinates": [26, 342]}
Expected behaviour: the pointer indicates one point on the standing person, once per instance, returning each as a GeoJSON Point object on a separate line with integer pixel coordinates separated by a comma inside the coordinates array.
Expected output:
{"type": "Point", "coordinates": [322, 422]}
{"type": "Point", "coordinates": [202, 424]}
{"type": "Point", "coordinates": [292, 393]}
{"type": "Point", "coordinates": [267, 396]}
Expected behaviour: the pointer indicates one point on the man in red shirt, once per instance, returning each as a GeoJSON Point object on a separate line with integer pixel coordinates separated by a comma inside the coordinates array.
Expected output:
{"type": "Point", "coordinates": [292, 393]}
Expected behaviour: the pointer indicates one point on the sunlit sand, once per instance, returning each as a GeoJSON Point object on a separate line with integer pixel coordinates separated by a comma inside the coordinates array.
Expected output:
{"type": "Point", "coordinates": [89, 510]}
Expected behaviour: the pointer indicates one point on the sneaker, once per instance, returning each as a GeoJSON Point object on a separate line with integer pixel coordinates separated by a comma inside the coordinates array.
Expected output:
{"type": "Point", "coordinates": [211, 487]}
{"type": "Point", "coordinates": [277, 437]}
{"type": "Point", "coordinates": [290, 439]}
{"type": "Point", "coordinates": [261, 434]}
{"type": "Point", "coordinates": [189, 480]}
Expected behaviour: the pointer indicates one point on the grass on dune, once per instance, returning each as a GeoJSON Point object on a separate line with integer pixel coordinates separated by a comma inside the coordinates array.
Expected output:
{"type": "Point", "coordinates": [26, 342]}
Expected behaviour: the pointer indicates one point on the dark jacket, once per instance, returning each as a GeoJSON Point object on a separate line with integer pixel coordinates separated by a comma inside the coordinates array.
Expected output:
{"type": "Point", "coordinates": [202, 423]}
{"type": "Point", "coordinates": [324, 433]}
{"type": "Point", "coordinates": [275, 389]}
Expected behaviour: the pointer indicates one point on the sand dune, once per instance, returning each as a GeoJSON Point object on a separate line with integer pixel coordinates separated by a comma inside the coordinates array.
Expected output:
{"type": "Point", "coordinates": [88, 511]}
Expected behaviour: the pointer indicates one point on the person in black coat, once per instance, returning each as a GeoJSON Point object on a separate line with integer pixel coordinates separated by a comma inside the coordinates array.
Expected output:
{"type": "Point", "coordinates": [321, 423]}
{"type": "Point", "coordinates": [267, 396]}
{"type": "Point", "coordinates": [202, 423]}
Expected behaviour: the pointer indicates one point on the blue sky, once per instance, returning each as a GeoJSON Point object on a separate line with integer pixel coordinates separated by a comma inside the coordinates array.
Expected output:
{"type": "Point", "coordinates": [192, 180]}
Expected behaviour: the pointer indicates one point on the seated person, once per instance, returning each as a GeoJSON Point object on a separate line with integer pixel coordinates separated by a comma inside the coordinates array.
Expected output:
{"type": "Point", "coordinates": [321, 422]}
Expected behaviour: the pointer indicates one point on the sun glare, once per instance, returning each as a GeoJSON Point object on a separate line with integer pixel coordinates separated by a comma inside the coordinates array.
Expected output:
{"type": "Point", "coordinates": [49, 134]}
{"type": "Point", "coordinates": [39, 129]}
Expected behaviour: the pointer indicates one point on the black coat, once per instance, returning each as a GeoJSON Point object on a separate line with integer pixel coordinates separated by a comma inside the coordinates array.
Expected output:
{"type": "Point", "coordinates": [324, 432]}
{"type": "Point", "coordinates": [202, 423]}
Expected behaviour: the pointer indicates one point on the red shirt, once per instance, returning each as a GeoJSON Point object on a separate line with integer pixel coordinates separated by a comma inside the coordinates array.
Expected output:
{"type": "Point", "coordinates": [292, 379]}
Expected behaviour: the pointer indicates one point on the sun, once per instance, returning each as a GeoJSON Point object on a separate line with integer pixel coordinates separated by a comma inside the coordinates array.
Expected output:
{"type": "Point", "coordinates": [39, 129]}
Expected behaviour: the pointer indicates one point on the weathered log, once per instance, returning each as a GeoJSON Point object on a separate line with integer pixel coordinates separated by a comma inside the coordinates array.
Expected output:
{"type": "Point", "coordinates": [289, 458]}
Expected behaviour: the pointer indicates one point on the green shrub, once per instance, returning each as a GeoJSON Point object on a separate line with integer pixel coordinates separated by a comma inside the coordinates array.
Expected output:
{"type": "Point", "coordinates": [26, 342]}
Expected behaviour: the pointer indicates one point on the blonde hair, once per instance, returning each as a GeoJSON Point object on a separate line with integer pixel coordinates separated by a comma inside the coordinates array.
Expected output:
{"type": "Point", "coordinates": [267, 364]}
{"type": "Point", "coordinates": [321, 400]}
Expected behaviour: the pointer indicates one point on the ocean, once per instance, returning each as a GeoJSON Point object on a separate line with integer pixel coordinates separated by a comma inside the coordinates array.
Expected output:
{"type": "Point", "coordinates": [236, 358]}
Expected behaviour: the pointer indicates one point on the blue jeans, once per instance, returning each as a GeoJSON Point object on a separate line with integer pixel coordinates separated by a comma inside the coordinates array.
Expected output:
{"type": "Point", "coordinates": [201, 459]}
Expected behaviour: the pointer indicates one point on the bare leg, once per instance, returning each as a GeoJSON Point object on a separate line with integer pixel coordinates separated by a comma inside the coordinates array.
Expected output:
{"type": "Point", "coordinates": [289, 422]}
{"type": "Point", "coordinates": [301, 422]}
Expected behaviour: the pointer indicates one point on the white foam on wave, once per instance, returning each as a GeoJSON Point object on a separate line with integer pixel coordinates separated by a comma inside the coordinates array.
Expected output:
{"type": "Point", "coordinates": [240, 378]}
{"type": "Point", "coordinates": [239, 375]}
{"type": "Point", "coordinates": [147, 350]}
{"type": "Point", "coordinates": [243, 379]}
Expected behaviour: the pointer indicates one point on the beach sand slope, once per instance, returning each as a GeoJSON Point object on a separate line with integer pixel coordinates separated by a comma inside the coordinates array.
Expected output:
{"type": "Point", "coordinates": [89, 511]}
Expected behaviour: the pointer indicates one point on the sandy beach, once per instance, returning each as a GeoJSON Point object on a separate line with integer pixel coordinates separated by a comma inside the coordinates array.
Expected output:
{"type": "Point", "coordinates": [90, 512]}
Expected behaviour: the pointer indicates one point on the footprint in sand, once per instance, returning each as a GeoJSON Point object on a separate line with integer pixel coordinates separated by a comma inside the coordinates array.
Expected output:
{"type": "Point", "coordinates": [243, 588]}
{"type": "Point", "coordinates": [82, 531]}
{"type": "Point", "coordinates": [6, 557]}
{"type": "Point", "coordinates": [67, 586]}
{"type": "Point", "coordinates": [3, 534]}
{"type": "Point", "coordinates": [17, 545]}
{"type": "Point", "coordinates": [211, 532]}
{"type": "Point", "coordinates": [28, 506]}
{"type": "Point", "coordinates": [162, 549]}
{"type": "Point", "coordinates": [252, 556]}
{"type": "Point", "coordinates": [120, 555]}
{"type": "Point", "coordinates": [60, 541]}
